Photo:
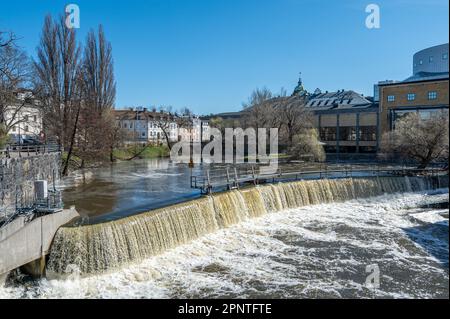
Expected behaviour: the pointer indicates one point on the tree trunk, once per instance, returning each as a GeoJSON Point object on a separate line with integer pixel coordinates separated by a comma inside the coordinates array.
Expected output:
{"type": "Point", "coordinates": [72, 142]}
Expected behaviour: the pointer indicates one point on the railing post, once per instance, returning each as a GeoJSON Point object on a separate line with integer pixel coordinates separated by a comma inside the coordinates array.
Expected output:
{"type": "Point", "coordinates": [228, 178]}
{"type": "Point", "coordinates": [236, 182]}
{"type": "Point", "coordinates": [253, 175]}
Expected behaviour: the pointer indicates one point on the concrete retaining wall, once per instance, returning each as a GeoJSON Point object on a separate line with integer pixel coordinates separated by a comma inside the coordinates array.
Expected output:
{"type": "Point", "coordinates": [17, 176]}
{"type": "Point", "coordinates": [32, 241]}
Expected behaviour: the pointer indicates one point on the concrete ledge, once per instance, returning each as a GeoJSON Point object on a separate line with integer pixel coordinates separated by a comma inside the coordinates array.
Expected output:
{"type": "Point", "coordinates": [32, 241]}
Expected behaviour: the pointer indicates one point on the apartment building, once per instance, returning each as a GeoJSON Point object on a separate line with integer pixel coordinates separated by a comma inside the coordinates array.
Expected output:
{"type": "Point", "coordinates": [24, 117]}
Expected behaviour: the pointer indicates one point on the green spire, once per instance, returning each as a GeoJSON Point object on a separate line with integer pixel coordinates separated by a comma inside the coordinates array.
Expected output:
{"type": "Point", "coordinates": [299, 89]}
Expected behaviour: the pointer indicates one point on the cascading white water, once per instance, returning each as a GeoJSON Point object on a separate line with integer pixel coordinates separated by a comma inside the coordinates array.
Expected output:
{"type": "Point", "coordinates": [100, 247]}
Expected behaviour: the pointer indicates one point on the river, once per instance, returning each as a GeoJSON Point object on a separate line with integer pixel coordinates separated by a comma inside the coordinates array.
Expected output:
{"type": "Point", "coordinates": [127, 188]}
{"type": "Point", "coordinates": [318, 251]}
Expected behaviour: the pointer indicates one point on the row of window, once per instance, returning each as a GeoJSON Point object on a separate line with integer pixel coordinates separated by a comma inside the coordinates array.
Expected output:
{"type": "Point", "coordinates": [431, 59]}
{"type": "Point", "coordinates": [432, 95]}
{"type": "Point", "coordinates": [366, 133]}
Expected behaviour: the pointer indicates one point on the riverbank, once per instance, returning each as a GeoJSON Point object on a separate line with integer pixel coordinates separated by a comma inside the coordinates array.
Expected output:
{"type": "Point", "coordinates": [125, 153]}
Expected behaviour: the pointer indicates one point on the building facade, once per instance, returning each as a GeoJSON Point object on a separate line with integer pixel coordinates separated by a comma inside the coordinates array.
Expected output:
{"type": "Point", "coordinates": [425, 92]}
{"type": "Point", "coordinates": [24, 117]}
{"type": "Point", "coordinates": [146, 126]}
{"type": "Point", "coordinates": [347, 121]}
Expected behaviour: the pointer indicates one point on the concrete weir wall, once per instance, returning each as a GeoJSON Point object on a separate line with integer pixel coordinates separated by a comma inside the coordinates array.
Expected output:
{"type": "Point", "coordinates": [17, 176]}
{"type": "Point", "coordinates": [27, 243]}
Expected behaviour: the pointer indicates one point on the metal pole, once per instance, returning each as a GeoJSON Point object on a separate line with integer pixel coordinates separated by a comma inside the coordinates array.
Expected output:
{"type": "Point", "coordinates": [228, 179]}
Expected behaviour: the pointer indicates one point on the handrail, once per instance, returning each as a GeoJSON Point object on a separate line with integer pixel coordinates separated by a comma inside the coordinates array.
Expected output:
{"type": "Point", "coordinates": [207, 182]}
{"type": "Point", "coordinates": [29, 150]}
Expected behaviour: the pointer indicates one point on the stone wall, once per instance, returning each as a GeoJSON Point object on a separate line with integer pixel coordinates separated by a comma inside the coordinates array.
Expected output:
{"type": "Point", "coordinates": [17, 176]}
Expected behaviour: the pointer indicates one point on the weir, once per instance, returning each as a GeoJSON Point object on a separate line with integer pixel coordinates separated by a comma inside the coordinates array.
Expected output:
{"type": "Point", "coordinates": [101, 247]}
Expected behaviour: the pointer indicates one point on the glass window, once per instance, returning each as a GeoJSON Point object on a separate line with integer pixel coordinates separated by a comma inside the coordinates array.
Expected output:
{"type": "Point", "coordinates": [445, 56]}
{"type": "Point", "coordinates": [347, 133]}
{"type": "Point", "coordinates": [411, 96]}
{"type": "Point", "coordinates": [368, 133]}
{"type": "Point", "coordinates": [420, 62]}
{"type": "Point", "coordinates": [430, 59]}
{"type": "Point", "coordinates": [328, 133]}
{"type": "Point", "coordinates": [432, 95]}
{"type": "Point", "coordinates": [391, 98]}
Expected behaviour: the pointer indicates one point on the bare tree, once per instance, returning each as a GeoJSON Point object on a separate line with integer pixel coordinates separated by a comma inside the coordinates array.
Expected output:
{"type": "Point", "coordinates": [293, 116]}
{"type": "Point", "coordinates": [7, 38]}
{"type": "Point", "coordinates": [57, 82]}
{"type": "Point", "coordinates": [422, 140]}
{"type": "Point", "coordinates": [163, 120]}
{"type": "Point", "coordinates": [99, 91]}
{"type": "Point", "coordinates": [258, 111]}
{"type": "Point", "coordinates": [14, 77]}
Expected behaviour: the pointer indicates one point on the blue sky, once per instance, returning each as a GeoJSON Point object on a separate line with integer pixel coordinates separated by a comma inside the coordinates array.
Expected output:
{"type": "Point", "coordinates": [210, 54]}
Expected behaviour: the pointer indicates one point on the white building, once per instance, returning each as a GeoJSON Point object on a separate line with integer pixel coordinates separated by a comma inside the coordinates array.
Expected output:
{"type": "Point", "coordinates": [24, 118]}
{"type": "Point", "coordinates": [146, 126]}
{"type": "Point", "coordinates": [151, 126]}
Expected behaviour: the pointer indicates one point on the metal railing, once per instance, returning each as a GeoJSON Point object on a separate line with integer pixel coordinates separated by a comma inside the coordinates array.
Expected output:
{"type": "Point", "coordinates": [234, 176]}
{"type": "Point", "coordinates": [18, 150]}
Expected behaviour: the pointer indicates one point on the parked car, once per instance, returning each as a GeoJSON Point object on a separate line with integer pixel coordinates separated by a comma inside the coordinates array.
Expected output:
{"type": "Point", "coordinates": [30, 142]}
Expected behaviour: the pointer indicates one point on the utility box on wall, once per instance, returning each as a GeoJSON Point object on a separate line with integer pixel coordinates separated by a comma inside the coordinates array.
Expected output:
{"type": "Point", "coordinates": [40, 189]}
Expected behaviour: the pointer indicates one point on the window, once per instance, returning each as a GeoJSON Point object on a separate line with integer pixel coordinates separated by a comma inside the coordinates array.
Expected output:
{"type": "Point", "coordinates": [411, 96]}
{"type": "Point", "coordinates": [391, 98]}
{"type": "Point", "coordinates": [420, 62]}
{"type": "Point", "coordinates": [368, 133]}
{"type": "Point", "coordinates": [432, 95]}
{"type": "Point", "coordinates": [430, 59]}
{"type": "Point", "coordinates": [143, 134]}
{"type": "Point", "coordinates": [34, 118]}
{"type": "Point", "coordinates": [328, 133]}
{"type": "Point", "coordinates": [13, 128]}
{"type": "Point", "coordinates": [26, 128]}
{"type": "Point", "coordinates": [25, 118]}
{"type": "Point", "coordinates": [445, 56]}
{"type": "Point", "coordinates": [347, 133]}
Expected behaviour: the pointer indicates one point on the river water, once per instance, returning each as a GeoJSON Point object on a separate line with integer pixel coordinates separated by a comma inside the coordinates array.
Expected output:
{"type": "Point", "coordinates": [127, 188]}
{"type": "Point", "coordinates": [320, 251]}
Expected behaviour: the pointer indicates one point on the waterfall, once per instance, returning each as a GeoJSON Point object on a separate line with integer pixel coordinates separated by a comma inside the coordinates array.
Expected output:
{"type": "Point", "coordinates": [100, 247]}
